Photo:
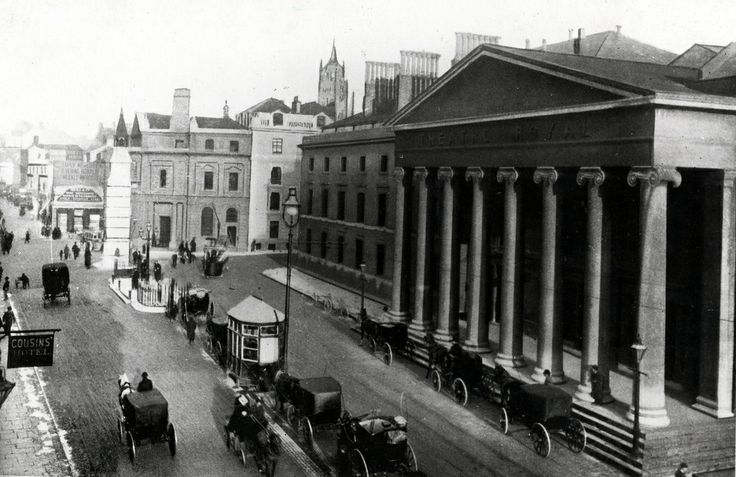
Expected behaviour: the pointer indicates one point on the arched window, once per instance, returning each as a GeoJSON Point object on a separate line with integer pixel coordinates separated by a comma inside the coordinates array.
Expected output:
{"type": "Point", "coordinates": [209, 145]}
{"type": "Point", "coordinates": [278, 119]}
{"type": "Point", "coordinates": [231, 215]}
{"type": "Point", "coordinates": [276, 175]}
{"type": "Point", "coordinates": [207, 222]}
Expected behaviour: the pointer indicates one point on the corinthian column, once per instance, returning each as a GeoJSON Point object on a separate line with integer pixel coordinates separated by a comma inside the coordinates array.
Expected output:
{"type": "Point", "coordinates": [549, 337]}
{"type": "Point", "coordinates": [421, 322]}
{"type": "Point", "coordinates": [477, 331]}
{"type": "Point", "coordinates": [397, 311]}
{"type": "Point", "coordinates": [595, 306]}
{"type": "Point", "coordinates": [446, 314]}
{"type": "Point", "coordinates": [510, 352]}
{"type": "Point", "coordinates": [651, 313]}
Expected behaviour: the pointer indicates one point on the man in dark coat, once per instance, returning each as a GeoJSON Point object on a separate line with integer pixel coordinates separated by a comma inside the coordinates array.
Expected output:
{"type": "Point", "coordinates": [193, 246]}
{"type": "Point", "coordinates": [28, 236]}
{"type": "Point", "coordinates": [75, 250]}
{"type": "Point", "coordinates": [8, 319]}
{"type": "Point", "coordinates": [87, 257]}
{"type": "Point", "coordinates": [145, 384]}
{"type": "Point", "coordinates": [24, 280]}
{"type": "Point", "coordinates": [66, 252]}
{"type": "Point", "coordinates": [6, 287]}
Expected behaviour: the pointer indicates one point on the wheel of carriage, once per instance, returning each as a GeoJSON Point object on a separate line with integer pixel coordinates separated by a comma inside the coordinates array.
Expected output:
{"type": "Point", "coordinates": [359, 466]}
{"type": "Point", "coordinates": [410, 459]}
{"type": "Point", "coordinates": [305, 430]}
{"type": "Point", "coordinates": [460, 391]}
{"type": "Point", "coordinates": [290, 414]}
{"type": "Point", "coordinates": [121, 431]}
{"type": "Point", "coordinates": [243, 457]}
{"type": "Point", "coordinates": [388, 355]}
{"type": "Point", "coordinates": [68, 298]}
{"type": "Point", "coordinates": [131, 446]}
{"type": "Point", "coordinates": [372, 345]}
{"type": "Point", "coordinates": [503, 421]}
{"type": "Point", "coordinates": [575, 435]}
{"type": "Point", "coordinates": [210, 345]}
{"type": "Point", "coordinates": [540, 439]}
{"type": "Point", "coordinates": [436, 380]}
{"type": "Point", "coordinates": [218, 350]}
{"type": "Point", "coordinates": [171, 439]}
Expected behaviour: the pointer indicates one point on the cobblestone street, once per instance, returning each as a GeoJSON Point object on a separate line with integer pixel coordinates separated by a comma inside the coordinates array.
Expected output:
{"type": "Point", "coordinates": [102, 337]}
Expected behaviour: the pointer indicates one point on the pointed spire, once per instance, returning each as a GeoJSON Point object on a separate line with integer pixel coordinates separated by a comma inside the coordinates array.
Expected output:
{"type": "Point", "coordinates": [121, 132]}
{"type": "Point", "coordinates": [333, 55]}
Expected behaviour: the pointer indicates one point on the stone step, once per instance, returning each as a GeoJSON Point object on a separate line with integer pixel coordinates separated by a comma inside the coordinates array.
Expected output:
{"type": "Point", "coordinates": [599, 450]}
{"type": "Point", "coordinates": [617, 434]}
{"type": "Point", "coordinates": [598, 445]}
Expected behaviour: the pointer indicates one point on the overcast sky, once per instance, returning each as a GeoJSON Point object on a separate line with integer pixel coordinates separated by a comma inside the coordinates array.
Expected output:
{"type": "Point", "coordinates": [73, 64]}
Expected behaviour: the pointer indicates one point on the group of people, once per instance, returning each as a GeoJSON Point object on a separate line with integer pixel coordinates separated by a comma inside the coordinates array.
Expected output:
{"type": "Point", "coordinates": [186, 251]}
{"type": "Point", "coordinates": [74, 252]}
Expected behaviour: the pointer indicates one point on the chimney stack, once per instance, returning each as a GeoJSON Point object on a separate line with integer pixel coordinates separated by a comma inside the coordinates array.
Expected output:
{"type": "Point", "coordinates": [581, 33]}
{"type": "Point", "coordinates": [418, 70]}
{"type": "Point", "coordinates": [527, 43]}
{"type": "Point", "coordinates": [618, 29]}
{"type": "Point", "coordinates": [570, 32]}
{"type": "Point", "coordinates": [467, 42]}
{"type": "Point", "coordinates": [180, 110]}
{"type": "Point", "coordinates": [35, 140]}
{"type": "Point", "coordinates": [544, 44]}
{"type": "Point", "coordinates": [296, 106]}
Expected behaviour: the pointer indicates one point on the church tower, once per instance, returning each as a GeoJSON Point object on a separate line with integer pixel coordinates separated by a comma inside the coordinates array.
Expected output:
{"type": "Point", "coordinates": [333, 87]}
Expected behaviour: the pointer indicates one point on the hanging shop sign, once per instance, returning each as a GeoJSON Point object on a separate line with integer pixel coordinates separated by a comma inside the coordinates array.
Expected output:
{"type": "Point", "coordinates": [29, 348]}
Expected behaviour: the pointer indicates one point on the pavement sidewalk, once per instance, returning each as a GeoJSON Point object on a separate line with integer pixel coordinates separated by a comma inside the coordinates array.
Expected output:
{"type": "Point", "coordinates": [309, 286]}
{"type": "Point", "coordinates": [30, 441]}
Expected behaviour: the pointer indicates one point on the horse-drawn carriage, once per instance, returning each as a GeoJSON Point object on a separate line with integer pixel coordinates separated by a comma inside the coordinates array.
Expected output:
{"type": "Point", "coordinates": [310, 404]}
{"type": "Point", "coordinates": [214, 260]}
{"type": "Point", "coordinates": [248, 433]}
{"type": "Point", "coordinates": [373, 444]}
{"type": "Point", "coordinates": [543, 409]}
{"type": "Point", "coordinates": [216, 328]}
{"type": "Point", "coordinates": [55, 277]}
{"type": "Point", "coordinates": [195, 303]}
{"type": "Point", "coordinates": [390, 337]}
{"type": "Point", "coordinates": [455, 368]}
{"type": "Point", "coordinates": [143, 416]}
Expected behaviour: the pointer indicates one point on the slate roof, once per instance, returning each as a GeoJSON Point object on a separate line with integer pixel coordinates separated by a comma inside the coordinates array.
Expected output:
{"type": "Point", "coordinates": [66, 147]}
{"type": "Point", "coordinates": [696, 56]}
{"type": "Point", "coordinates": [158, 121]}
{"type": "Point", "coordinates": [642, 78]}
{"type": "Point", "coordinates": [314, 108]}
{"type": "Point", "coordinates": [360, 119]}
{"type": "Point", "coordinates": [613, 45]}
{"type": "Point", "coordinates": [269, 105]}
{"type": "Point", "coordinates": [217, 123]}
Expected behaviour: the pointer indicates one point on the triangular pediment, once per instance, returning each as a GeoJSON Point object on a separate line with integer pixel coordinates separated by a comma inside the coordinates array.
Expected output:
{"type": "Point", "coordinates": [490, 84]}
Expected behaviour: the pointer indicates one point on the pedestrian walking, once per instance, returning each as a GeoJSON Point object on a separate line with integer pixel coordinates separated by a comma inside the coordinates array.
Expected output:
{"type": "Point", "coordinates": [24, 280]}
{"type": "Point", "coordinates": [193, 246]}
{"type": "Point", "coordinates": [1, 271]}
{"type": "Point", "coordinates": [134, 279]}
{"type": "Point", "coordinates": [191, 329]}
{"type": "Point", "coordinates": [66, 252]}
{"type": "Point", "coordinates": [181, 248]}
{"type": "Point", "coordinates": [61, 255]}
{"type": "Point", "coordinates": [8, 320]}
{"type": "Point", "coordinates": [6, 287]}
{"type": "Point", "coordinates": [75, 250]}
{"type": "Point", "coordinates": [28, 236]}
{"type": "Point", "coordinates": [87, 257]}
{"type": "Point", "coordinates": [157, 271]}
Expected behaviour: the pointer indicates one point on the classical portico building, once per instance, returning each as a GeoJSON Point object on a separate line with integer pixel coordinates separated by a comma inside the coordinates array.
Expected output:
{"type": "Point", "coordinates": [579, 201]}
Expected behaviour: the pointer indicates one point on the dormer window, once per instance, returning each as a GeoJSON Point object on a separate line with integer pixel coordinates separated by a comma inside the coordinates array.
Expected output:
{"type": "Point", "coordinates": [278, 119]}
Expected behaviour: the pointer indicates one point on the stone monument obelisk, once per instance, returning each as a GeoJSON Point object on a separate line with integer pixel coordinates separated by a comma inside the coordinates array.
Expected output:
{"type": "Point", "coordinates": [117, 201]}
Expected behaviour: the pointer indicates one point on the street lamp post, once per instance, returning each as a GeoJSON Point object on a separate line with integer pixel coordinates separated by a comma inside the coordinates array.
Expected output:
{"type": "Point", "coordinates": [148, 252]}
{"type": "Point", "coordinates": [639, 349]}
{"type": "Point", "coordinates": [362, 289]}
{"type": "Point", "coordinates": [290, 215]}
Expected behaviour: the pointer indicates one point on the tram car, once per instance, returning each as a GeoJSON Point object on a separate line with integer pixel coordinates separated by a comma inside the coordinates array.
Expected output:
{"type": "Point", "coordinates": [255, 342]}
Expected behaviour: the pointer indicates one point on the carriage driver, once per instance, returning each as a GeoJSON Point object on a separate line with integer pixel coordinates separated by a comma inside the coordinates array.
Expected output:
{"type": "Point", "coordinates": [240, 412]}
